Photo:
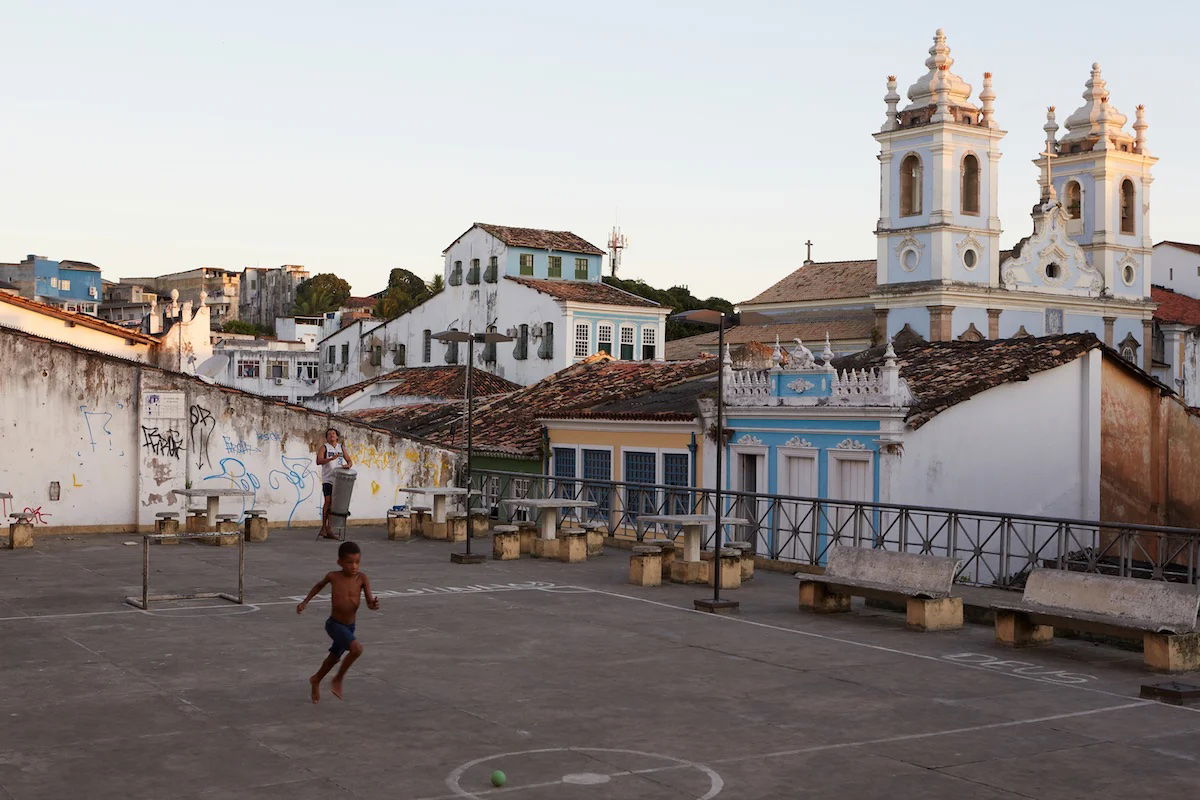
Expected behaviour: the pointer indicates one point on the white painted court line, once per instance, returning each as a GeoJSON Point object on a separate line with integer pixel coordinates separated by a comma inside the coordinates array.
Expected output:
{"type": "Point", "coordinates": [885, 649]}
{"type": "Point", "coordinates": [456, 776]}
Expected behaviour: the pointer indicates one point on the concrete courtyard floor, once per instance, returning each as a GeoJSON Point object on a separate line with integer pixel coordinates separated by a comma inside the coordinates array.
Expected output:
{"type": "Point", "coordinates": [574, 683]}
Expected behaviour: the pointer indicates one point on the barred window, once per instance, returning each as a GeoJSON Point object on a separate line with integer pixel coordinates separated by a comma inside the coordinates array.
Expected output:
{"type": "Point", "coordinates": [649, 340]}
{"type": "Point", "coordinates": [626, 343]}
{"type": "Point", "coordinates": [248, 369]}
{"type": "Point", "coordinates": [604, 338]}
{"type": "Point", "coordinates": [582, 339]}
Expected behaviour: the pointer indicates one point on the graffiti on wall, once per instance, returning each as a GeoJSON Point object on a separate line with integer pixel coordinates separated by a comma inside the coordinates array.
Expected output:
{"type": "Point", "coordinates": [162, 443]}
{"type": "Point", "coordinates": [240, 447]}
{"type": "Point", "coordinates": [300, 475]}
{"type": "Point", "coordinates": [201, 427]}
{"type": "Point", "coordinates": [234, 471]}
{"type": "Point", "coordinates": [38, 515]}
{"type": "Point", "coordinates": [97, 427]}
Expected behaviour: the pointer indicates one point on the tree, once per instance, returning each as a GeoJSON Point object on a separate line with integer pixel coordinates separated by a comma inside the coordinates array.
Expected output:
{"type": "Point", "coordinates": [239, 326]}
{"type": "Point", "coordinates": [320, 293]}
{"type": "Point", "coordinates": [404, 292]}
{"type": "Point", "coordinates": [677, 298]}
{"type": "Point", "coordinates": [436, 284]}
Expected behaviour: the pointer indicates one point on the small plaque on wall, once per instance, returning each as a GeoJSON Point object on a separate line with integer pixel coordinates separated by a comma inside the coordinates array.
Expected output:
{"type": "Point", "coordinates": [163, 405]}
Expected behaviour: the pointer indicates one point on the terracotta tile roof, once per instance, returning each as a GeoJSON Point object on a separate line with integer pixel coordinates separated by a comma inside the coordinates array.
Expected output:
{"type": "Point", "coordinates": [585, 292]}
{"type": "Point", "coordinates": [83, 320]}
{"type": "Point", "coordinates": [536, 238]}
{"type": "Point", "coordinates": [943, 374]}
{"type": "Point", "coordinates": [359, 302]}
{"type": "Point", "coordinates": [841, 326]}
{"type": "Point", "coordinates": [507, 424]}
{"type": "Point", "coordinates": [1192, 248]}
{"type": "Point", "coordinates": [676, 403]}
{"type": "Point", "coordinates": [824, 280]}
{"type": "Point", "coordinates": [447, 381]}
{"type": "Point", "coordinates": [1175, 307]}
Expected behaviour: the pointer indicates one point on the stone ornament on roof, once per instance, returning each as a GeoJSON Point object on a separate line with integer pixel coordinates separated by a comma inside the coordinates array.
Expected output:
{"type": "Point", "coordinates": [1050, 260]}
{"type": "Point", "coordinates": [939, 80]}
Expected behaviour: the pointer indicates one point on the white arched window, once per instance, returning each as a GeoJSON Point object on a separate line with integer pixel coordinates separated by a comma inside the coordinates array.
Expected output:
{"type": "Point", "coordinates": [1128, 203]}
{"type": "Point", "coordinates": [970, 185]}
{"type": "Point", "coordinates": [1074, 200]}
{"type": "Point", "coordinates": [910, 186]}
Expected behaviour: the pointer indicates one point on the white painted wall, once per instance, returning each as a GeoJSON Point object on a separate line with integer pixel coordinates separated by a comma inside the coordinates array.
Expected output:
{"type": "Point", "coordinates": [1177, 268]}
{"type": "Point", "coordinates": [59, 330]}
{"type": "Point", "coordinates": [1020, 447]}
{"type": "Point", "coordinates": [83, 421]}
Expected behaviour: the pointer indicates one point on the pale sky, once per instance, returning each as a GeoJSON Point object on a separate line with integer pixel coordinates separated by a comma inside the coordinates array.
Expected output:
{"type": "Point", "coordinates": [150, 137]}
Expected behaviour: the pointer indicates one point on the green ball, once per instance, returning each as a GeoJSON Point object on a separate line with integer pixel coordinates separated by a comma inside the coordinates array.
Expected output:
{"type": "Point", "coordinates": [498, 778]}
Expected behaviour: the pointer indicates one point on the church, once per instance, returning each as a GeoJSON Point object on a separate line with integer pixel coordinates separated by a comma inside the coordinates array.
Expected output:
{"type": "Point", "coordinates": [940, 272]}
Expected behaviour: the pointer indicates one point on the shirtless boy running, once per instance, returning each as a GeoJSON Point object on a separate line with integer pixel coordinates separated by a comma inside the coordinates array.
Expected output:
{"type": "Point", "coordinates": [347, 585]}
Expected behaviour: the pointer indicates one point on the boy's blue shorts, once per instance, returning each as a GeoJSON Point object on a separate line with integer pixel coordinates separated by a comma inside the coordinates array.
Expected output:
{"type": "Point", "coordinates": [341, 634]}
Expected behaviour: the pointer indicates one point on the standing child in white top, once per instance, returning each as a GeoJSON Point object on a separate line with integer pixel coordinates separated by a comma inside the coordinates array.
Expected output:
{"type": "Point", "coordinates": [330, 456]}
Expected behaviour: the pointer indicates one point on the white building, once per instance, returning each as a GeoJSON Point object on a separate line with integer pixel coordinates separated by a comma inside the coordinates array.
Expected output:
{"type": "Point", "coordinates": [1177, 267]}
{"type": "Point", "coordinates": [276, 368]}
{"type": "Point", "coordinates": [939, 270]}
{"type": "Point", "coordinates": [541, 287]}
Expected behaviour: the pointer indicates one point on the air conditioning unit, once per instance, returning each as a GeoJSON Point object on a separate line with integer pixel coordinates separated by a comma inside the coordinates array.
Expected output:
{"type": "Point", "coordinates": [279, 381]}
{"type": "Point", "coordinates": [91, 291]}
{"type": "Point", "coordinates": [511, 332]}
{"type": "Point", "coordinates": [536, 331]}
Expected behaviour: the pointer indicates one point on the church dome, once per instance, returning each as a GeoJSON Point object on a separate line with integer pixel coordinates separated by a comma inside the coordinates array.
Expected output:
{"type": "Point", "coordinates": [1096, 117]}
{"type": "Point", "coordinates": [924, 91]}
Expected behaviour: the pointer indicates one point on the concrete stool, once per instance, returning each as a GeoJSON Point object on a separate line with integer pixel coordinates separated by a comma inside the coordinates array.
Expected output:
{"type": "Point", "coordinates": [528, 531]}
{"type": "Point", "coordinates": [747, 561]}
{"type": "Point", "coordinates": [399, 526]}
{"type": "Point", "coordinates": [545, 548]}
{"type": "Point", "coordinates": [20, 531]}
{"type": "Point", "coordinates": [256, 525]}
{"type": "Point", "coordinates": [572, 547]}
{"type": "Point", "coordinates": [197, 520]}
{"type": "Point", "coordinates": [645, 566]}
{"type": "Point", "coordinates": [166, 523]}
{"type": "Point", "coordinates": [456, 526]}
{"type": "Point", "coordinates": [596, 533]}
{"type": "Point", "coordinates": [226, 525]}
{"type": "Point", "coordinates": [731, 569]}
{"type": "Point", "coordinates": [479, 524]}
{"type": "Point", "coordinates": [506, 543]}
{"type": "Point", "coordinates": [668, 549]}
{"type": "Point", "coordinates": [420, 520]}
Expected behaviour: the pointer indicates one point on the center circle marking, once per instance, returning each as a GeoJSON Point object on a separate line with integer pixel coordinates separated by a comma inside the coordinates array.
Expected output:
{"type": "Point", "coordinates": [586, 778]}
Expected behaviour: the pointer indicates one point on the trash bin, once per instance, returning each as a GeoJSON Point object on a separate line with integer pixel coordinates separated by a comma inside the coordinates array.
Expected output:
{"type": "Point", "coordinates": [343, 487]}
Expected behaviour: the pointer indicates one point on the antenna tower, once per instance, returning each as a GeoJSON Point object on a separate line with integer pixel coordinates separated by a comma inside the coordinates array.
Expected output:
{"type": "Point", "coordinates": [617, 242]}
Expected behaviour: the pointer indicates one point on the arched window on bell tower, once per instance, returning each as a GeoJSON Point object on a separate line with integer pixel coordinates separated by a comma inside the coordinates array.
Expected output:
{"type": "Point", "coordinates": [910, 186]}
{"type": "Point", "coordinates": [1074, 200]}
{"type": "Point", "coordinates": [1128, 203]}
{"type": "Point", "coordinates": [970, 184]}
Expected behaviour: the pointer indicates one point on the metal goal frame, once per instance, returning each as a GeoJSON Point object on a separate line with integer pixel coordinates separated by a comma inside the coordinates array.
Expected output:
{"type": "Point", "coordinates": [143, 602]}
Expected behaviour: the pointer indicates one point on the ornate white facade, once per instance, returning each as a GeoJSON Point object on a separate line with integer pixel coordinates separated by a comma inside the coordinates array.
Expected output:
{"type": "Point", "coordinates": [940, 270]}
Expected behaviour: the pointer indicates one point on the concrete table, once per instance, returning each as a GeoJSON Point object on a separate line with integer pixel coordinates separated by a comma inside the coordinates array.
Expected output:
{"type": "Point", "coordinates": [213, 498]}
{"type": "Point", "coordinates": [440, 495]}
{"type": "Point", "coordinates": [547, 510]}
{"type": "Point", "coordinates": [693, 528]}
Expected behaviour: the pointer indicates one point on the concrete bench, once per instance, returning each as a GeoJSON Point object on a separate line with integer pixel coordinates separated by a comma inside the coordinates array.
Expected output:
{"type": "Point", "coordinates": [645, 565]}
{"type": "Point", "coordinates": [20, 531]}
{"type": "Point", "coordinates": [506, 542]}
{"type": "Point", "coordinates": [197, 520]}
{"type": "Point", "coordinates": [922, 581]}
{"type": "Point", "coordinates": [479, 523]}
{"type": "Point", "coordinates": [255, 525]}
{"type": "Point", "coordinates": [167, 515]}
{"type": "Point", "coordinates": [527, 530]}
{"type": "Point", "coordinates": [1162, 615]}
{"type": "Point", "coordinates": [596, 533]}
{"type": "Point", "coordinates": [399, 525]}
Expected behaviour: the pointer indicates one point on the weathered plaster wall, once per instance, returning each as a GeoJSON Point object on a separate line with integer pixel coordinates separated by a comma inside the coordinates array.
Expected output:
{"type": "Point", "coordinates": [1151, 454]}
{"type": "Point", "coordinates": [88, 424]}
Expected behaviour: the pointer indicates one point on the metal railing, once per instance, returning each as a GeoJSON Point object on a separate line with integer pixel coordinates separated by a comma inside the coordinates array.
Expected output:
{"type": "Point", "coordinates": [996, 549]}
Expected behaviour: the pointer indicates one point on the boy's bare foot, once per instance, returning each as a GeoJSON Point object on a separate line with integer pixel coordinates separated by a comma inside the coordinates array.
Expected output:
{"type": "Point", "coordinates": [335, 686]}
{"type": "Point", "coordinates": [315, 682]}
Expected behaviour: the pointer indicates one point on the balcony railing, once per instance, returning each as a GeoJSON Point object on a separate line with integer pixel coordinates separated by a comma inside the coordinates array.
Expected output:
{"type": "Point", "coordinates": [996, 549]}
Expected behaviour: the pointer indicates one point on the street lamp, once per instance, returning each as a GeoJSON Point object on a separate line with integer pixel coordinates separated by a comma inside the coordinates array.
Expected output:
{"type": "Point", "coordinates": [708, 316]}
{"type": "Point", "coordinates": [455, 337]}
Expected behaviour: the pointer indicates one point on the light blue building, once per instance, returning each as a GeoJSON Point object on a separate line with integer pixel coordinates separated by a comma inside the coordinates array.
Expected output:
{"type": "Point", "coordinates": [71, 285]}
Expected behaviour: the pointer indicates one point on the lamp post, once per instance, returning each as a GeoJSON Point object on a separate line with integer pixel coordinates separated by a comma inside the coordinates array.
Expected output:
{"type": "Point", "coordinates": [472, 339]}
{"type": "Point", "coordinates": [708, 316]}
